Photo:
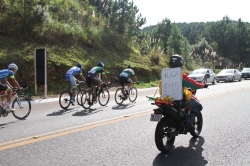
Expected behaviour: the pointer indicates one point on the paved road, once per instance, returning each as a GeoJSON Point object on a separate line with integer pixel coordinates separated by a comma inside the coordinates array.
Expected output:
{"type": "Point", "coordinates": [116, 135]}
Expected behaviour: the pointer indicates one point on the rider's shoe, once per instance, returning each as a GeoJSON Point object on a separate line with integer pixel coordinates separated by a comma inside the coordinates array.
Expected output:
{"type": "Point", "coordinates": [126, 91]}
{"type": "Point", "coordinates": [9, 109]}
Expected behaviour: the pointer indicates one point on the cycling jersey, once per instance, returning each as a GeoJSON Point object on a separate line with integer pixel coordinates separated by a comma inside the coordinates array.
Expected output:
{"type": "Point", "coordinates": [72, 72]}
{"type": "Point", "coordinates": [6, 73]}
{"type": "Point", "coordinates": [127, 73]}
{"type": "Point", "coordinates": [95, 70]}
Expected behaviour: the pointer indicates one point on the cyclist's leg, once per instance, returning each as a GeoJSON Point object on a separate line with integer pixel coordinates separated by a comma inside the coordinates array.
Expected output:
{"type": "Point", "coordinates": [73, 85]}
{"type": "Point", "coordinates": [122, 81]}
{"type": "Point", "coordinates": [3, 92]}
{"type": "Point", "coordinates": [7, 90]}
{"type": "Point", "coordinates": [98, 81]}
{"type": "Point", "coordinates": [89, 81]}
{"type": "Point", "coordinates": [129, 81]}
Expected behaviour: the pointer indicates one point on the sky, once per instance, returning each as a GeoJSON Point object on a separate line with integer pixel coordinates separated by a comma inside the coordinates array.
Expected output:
{"type": "Point", "coordinates": [180, 11]}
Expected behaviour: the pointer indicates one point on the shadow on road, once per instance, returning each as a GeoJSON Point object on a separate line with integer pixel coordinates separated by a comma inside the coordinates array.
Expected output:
{"type": "Point", "coordinates": [123, 106]}
{"type": "Point", "coordinates": [87, 112]}
{"type": "Point", "coordinates": [61, 112]}
{"type": "Point", "coordinates": [8, 123]}
{"type": "Point", "coordinates": [191, 155]}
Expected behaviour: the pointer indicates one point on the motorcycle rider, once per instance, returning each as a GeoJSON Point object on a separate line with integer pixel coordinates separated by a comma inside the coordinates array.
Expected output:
{"type": "Point", "coordinates": [187, 102]}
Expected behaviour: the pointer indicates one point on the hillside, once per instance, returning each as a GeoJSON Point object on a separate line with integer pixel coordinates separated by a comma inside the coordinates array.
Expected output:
{"type": "Point", "coordinates": [62, 57]}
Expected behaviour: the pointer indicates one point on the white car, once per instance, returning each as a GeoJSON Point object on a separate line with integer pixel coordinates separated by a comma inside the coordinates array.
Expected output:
{"type": "Point", "coordinates": [229, 75]}
{"type": "Point", "coordinates": [198, 75]}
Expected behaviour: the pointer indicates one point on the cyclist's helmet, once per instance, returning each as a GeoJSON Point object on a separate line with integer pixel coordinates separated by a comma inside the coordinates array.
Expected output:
{"type": "Point", "coordinates": [101, 64]}
{"type": "Point", "coordinates": [12, 66]}
{"type": "Point", "coordinates": [176, 61]}
{"type": "Point", "coordinates": [79, 65]}
{"type": "Point", "coordinates": [130, 67]}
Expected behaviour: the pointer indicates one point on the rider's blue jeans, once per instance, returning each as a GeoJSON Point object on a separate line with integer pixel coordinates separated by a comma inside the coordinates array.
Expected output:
{"type": "Point", "coordinates": [194, 106]}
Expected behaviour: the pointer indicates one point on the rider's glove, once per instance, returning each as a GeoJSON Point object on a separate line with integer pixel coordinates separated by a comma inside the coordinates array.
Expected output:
{"type": "Point", "coordinates": [205, 86]}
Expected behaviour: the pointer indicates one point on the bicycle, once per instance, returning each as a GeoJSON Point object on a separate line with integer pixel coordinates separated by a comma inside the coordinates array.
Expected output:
{"type": "Point", "coordinates": [20, 103]}
{"type": "Point", "coordinates": [64, 99]}
{"type": "Point", "coordinates": [90, 97]}
{"type": "Point", "coordinates": [121, 94]}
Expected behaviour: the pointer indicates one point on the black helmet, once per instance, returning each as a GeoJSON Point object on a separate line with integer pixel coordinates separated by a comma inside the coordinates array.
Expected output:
{"type": "Point", "coordinates": [101, 64]}
{"type": "Point", "coordinates": [176, 61]}
{"type": "Point", "coordinates": [79, 65]}
{"type": "Point", "coordinates": [130, 67]}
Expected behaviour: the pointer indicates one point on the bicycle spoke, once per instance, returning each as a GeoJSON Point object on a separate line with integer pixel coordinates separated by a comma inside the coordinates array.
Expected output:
{"type": "Point", "coordinates": [132, 94]}
{"type": "Point", "coordinates": [118, 96]}
{"type": "Point", "coordinates": [64, 99]}
{"type": "Point", "coordinates": [103, 97]}
{"type": "Point", "coordinates": [22, 107]}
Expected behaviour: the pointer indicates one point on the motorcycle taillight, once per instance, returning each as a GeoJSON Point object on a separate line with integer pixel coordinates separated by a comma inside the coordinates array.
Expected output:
{"type": "Point", "coordinates": [156, 111]}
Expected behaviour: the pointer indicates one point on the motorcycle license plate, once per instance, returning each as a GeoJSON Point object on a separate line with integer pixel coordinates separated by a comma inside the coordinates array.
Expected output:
{"type": "Point", "coordinates": [155, 117]}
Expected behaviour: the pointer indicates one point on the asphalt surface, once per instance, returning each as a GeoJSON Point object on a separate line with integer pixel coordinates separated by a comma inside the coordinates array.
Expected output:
{"type": "Point", "coordinates": [123, 135]}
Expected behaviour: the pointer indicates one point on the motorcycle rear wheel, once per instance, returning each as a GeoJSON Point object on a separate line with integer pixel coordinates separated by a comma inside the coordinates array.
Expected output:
{"type": "Point", "coordinates": [198, 125]}
{"type": "Point", "coordinates": [162, 142]}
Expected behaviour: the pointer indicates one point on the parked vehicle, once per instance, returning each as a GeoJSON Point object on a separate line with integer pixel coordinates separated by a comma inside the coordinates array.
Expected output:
{"type": "Point", "coordinates": [245, 73]}
{"type": "Point", "coordinates": [229, 75]}
{"type": "Point", "coordinates": [198, 75]}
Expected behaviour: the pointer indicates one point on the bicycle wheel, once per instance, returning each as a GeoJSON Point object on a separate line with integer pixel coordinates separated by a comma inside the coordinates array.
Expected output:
{"type": "Point", "coordinates": [103, 97]}
{"type": "Point", "coordinates": [79, 96]}
{"type": "Point", "coordinates": [64, 99]}
{"type": "Point", "coordinates": [133, 94]}
{"type": "Point", "coordinates": [118, 96]}
{"type": "Point", "coordinates": [86, 100]}
{"type": "Point", "coordinates": [22, 107]}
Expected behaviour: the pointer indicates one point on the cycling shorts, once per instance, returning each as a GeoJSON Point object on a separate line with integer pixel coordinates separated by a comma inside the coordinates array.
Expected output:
{"type": "Point", "coordinates": [71, 79]}
{"type": "Point", "coordinates": [124, 80]}
{"type": "Point", "coordinates": [92, 79]}
{"type": "Point", "coordinates": [3, 87]}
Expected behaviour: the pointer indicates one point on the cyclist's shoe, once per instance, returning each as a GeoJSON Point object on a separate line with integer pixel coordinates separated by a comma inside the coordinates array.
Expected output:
{"type": "Point", "coordinates": [9, 109]}
{"type": "Point", "coordinates": [72, 101]}
{"type": "Point", "coordinates": [126, 91]}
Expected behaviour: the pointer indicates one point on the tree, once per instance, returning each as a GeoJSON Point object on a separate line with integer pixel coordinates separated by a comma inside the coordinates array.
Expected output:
{"type": "Point", "coordinates": [202, 50]}
{"type": "Point", "coordinates": [175, 41]}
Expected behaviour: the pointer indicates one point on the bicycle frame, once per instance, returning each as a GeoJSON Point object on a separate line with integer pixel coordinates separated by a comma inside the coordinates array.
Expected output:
{"type": "Point", "coordinates": [16, 100]}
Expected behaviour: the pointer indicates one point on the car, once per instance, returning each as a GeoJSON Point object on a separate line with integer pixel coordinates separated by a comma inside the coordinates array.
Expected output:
{"type": "Point", "coordinates": [198, 75]}
{"type": "Point", "coordinates": [246, 73]}
{"type": "Point", "coordinates": [229, 75]}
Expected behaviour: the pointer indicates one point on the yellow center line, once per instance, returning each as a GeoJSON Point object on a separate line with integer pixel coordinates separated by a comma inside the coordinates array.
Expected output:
{"type": "Point", "coordinates": [28, 140]}
{"type": "Point", "coordinates": [74, 129]}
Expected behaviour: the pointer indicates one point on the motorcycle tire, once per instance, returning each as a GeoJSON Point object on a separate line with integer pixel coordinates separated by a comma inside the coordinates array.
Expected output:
{"type": "Point", "coordinates": [198, 125]}
{"type": "Point", "coordinates": [163, 143]}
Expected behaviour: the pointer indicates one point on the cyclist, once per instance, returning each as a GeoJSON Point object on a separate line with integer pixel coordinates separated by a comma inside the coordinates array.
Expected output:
{"type": "Point", "coordinates": [5, 87]}
{"type": "Point", "coordinates": [70, 76]}
{"type": "Point", "coordinates": [125, 77]}
{"type": "Point", "coordinates": [93, 77]}
{"type": "Point", "coordinates": [188, 101]}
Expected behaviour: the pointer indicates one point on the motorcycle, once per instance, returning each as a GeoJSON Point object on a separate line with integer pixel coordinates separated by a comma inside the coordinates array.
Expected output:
{"type": "Point", "coordinates": [171, 118]}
